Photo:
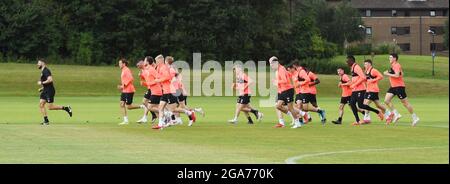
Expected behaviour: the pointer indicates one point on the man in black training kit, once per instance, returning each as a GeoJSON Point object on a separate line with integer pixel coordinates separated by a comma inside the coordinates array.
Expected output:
{"type": "Point", "coordinates": [48, 93]}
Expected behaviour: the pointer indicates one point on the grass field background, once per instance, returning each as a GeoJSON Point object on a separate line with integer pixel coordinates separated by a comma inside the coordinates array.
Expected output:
{"type": "Point", "coordinates": [93, 136]}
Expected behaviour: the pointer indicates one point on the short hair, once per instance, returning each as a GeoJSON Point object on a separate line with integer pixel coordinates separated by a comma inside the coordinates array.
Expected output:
{"type": "Point", "coordinates": [340, 68]}
{"type": "Point", "coordinates": [368, 61]}
{"type": "Point", "coordinates": [150, 59]}
{"type": "Point", "coordinates": [42, 60]}
{"type": "Point", "coordinates": [273, 59]}
{"type": "Point", "coordinates": [295, 62]}
{"type": "Point", "coordinates": [124, 61]}
{"type": "Point", "coordinates": [159, 57]}
{"type": "Point", "coordinates": [351, 57]}
{"type": "Point", "coordinates": [169, 59]}
{"type": "Point", "coordinates": [394, 55]}
{"type": "Point", "coordinates": [140, 63]}
{"type": "Point", "coordinates": [303, 65]}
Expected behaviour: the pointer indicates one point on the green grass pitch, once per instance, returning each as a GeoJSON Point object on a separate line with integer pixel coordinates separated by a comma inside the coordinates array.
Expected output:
{"type": "Point", "coordinates": [93, 136]}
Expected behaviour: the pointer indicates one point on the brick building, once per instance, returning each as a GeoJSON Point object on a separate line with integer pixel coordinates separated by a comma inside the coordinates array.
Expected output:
{"type": "Point", "coordinates": [404, 22]}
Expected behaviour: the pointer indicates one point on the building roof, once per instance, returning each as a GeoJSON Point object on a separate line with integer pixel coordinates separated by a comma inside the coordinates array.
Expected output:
{"type": "Point", "coordinates": [400, 4]}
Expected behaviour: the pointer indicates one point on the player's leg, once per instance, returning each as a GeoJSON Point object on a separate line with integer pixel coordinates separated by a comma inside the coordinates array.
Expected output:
{"type": "Point", "coordinates": [43, 111]}
{"type": "Point", "coordinates": [246, 109]}
{"type": "Point", "coordinates": [353, 102]}
{"type": "Point", "coordinates": [124, 113]}
{"type": "Point", "coordinates": [161, 107]}
{"type": "Point", "coordinates": [146, 110]}
{"type": "Point", "coordinates": [391, 112]}
{"type": "Point", "coordinates": [306, 99]}
{"type": "Point", "coordinates": [341, 112]}
{"type": "Point", "coordinates": [237, 111]}
{"type": "Point", "coordinates": [279, 107]}
{"type": "Point", "coordinates": [295, 115]}
{"type": "Point", "coordinates": [408, 106]}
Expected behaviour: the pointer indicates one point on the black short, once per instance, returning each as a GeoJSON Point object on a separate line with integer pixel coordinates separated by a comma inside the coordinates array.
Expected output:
{"type": "Point", "coordinates": [398, 91]}
{"type": "Point", "coordinates": [357, 97]}
{"type": "Point", "coordinates": [306, 98]}
{"type": "Point", "coordinates": [345, 100]}
{"type": "Point", "coordinates": [312, 98]}
{"type": "Point", "coordinates": [245, 99]}
{"type": "Point", "coordinates": [298, 97]}
{"type": "Point", "coordinates": [286, 96]}
{"type": "Point", "coordinates": [127, 98]}
{"type": "Point", "coordinates": [148, 94]}
{"type": "Point", "coordinates": [169, 98]}
{"type": "Point", "coordinates": [182, 98]}
{"type": "Point", "coordinates": [48, 96]}
{"type": "Point", "coordinates": [155, 99]}
{"type": "Point", "coordinates": [371, 96]}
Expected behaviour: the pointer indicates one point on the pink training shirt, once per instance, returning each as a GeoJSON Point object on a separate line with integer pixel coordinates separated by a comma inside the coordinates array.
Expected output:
{"type": "Point", "coordinates": [283, 79]}
{"type": "Point", "coordinates": [242, 83]}
{"type": "Point", "coordinates": [166, 79]}
{"type": "Point", "coordinates": [127, 80]}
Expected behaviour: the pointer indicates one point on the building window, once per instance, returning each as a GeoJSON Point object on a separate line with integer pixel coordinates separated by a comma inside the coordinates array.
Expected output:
{"type": "Point", "coordinates": [405, 46]}
{"type": "Point", "coordinates": [407, 14]}
{"type": "Point", "coordinates": [394, 13]}
{"type": "Point", "coordinates": [400, 30]}
{"type": "Point", "coordinates": [369, 31]}
{"type": "Point", "coordinates": [438, 30]}
{"type": "Point", "coordinates": [433, 13]}
{"type": "Point", "coordinates": [368, 13]}
{"type": "Point", "coordinates": [393, 30]}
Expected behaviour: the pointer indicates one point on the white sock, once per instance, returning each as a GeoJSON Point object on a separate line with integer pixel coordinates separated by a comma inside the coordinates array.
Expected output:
{"type": "Point", "coordinates": [414, 116]}
{"type": "Point", "coordinates": [296, 122]}
{"type": "Point", "coordinates": [235, 118]}
{"type": "Point", "coordinates": [125, 119]}
{"type": "Point", "coordinates": [178, 119]}
{"type": "Point", "coordinates": [187, 112]}
{"type": "Point", "coordinates": [281, 121]}
{"type": "Point", "coordinates": [302, 113]}
{"type": "Point", "coordinates": [144, 117]}
{"type": "Point", "coordinates": [395, 112]}
{"type": "Point", "coordinates": [161, 122]}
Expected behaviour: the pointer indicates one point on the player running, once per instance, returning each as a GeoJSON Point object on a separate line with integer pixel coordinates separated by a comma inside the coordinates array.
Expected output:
{"type": "Point", "coordinates": [358, 88]}
{"type": "Point", "coordinates": [243, 102]}
{"type": "Point", "coordinates": [285, 93]}
{"type": "Point", "coordinates": [181, 94]}
{"type": "Point", "coordinates": [155, 88]}
{"type": "Point", "coordinates": [344, 84]}
{"type": "Point", "coordinates": [306, 94]}
{"type": "Point", "coordinates": [168, 98]}
{"type": "Point", "coordinates": [373, 76]}
{"type": "Point", "coordinates": [48, 93]}
{"type": "Point", "coordinates": [313, 99]}
{"type": "Point", "coordinates": [143, 73]}
{"type": "Point", "coordinates": [293, 71]}
{"type": "Point", "coordinates": [127, 89]}
{"type": "Point", "coordinates": [397, 88]}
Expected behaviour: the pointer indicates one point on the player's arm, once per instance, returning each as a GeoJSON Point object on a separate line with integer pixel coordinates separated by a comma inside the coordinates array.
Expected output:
{"type": "Point", "coordinates": [377, 75]}
{"type": "Point", "coordinates": [306, 80]}
{"type": "Point", "coordinates": [315, 82]}
{"type": "Point", "coordinates": [396, 73]}
{"type": "Point", "coordinates": [49, 80]}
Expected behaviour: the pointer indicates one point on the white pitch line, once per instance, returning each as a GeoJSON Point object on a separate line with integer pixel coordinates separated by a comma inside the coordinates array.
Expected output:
{"type": "Point", "coordinates": [291, 160]}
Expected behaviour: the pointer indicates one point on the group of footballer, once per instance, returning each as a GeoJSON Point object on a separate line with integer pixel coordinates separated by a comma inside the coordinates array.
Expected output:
{"type": "Point", "coordinates": [166, 96]}
{"type": "Point", "coordinates": [359, 91]}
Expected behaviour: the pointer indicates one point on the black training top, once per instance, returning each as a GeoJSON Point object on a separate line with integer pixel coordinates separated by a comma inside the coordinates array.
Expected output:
{"type": "Point", "coordinates": [45, 74]}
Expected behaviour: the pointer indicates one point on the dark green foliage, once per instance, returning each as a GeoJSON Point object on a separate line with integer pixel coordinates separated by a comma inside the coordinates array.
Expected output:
{"type": "Point", "coordinates": [92, 32]}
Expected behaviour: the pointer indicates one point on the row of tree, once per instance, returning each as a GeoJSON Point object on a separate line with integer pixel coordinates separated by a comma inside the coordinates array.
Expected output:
{"type": "Point", "coordinates": [96, 32]}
